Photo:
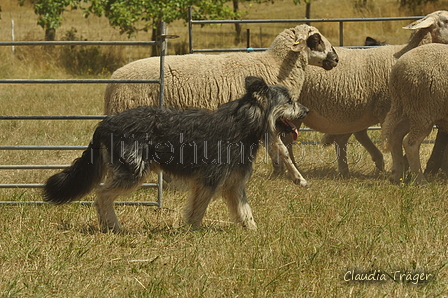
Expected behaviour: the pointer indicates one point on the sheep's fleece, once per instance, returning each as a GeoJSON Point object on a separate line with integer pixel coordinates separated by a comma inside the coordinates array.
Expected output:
{"type": "Point", "coordinates": [207, 81]}
{"type": "Point", "coordinates": [419, 94]}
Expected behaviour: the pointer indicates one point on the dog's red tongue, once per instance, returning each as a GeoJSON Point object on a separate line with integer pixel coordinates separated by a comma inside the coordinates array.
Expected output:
{"type": "Point", "coordinates": [295, 131]}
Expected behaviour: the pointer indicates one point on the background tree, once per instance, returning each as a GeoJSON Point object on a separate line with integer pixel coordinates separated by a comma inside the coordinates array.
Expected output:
{"type": "Point", "coordinates": [49, 12]}
{"type": "Point", "coordinates": [129, 16]}
{"type": "Point", "coordinates": [133, 16]}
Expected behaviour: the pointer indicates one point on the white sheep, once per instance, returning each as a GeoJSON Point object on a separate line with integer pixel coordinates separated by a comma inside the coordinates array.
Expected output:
{"type": "Point", "coordinates": [207, 81]}
{"type": "Point", "coordinates": [419, 94]}
{"type": "Point", "coordinates": [355, 95]}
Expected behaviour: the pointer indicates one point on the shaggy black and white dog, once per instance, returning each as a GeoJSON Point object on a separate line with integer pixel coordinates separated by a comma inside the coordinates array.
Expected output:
{"type": "Point", "coordinates": [213, 150]}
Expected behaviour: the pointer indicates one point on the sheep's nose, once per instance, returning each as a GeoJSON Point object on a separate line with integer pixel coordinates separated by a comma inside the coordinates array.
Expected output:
{"type": "Point", "coordinates": [331, 60]}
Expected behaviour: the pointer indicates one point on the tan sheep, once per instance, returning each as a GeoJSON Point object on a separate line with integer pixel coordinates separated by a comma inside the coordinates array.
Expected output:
{"type": "Point", "coordinates": [419, 94]}
{"type": "Point", "coordinates": [207, 81]}
{"type": "Point", "coordinates": [355, 95]}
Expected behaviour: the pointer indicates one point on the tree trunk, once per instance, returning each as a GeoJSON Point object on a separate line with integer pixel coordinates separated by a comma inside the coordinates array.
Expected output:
{"type": "Point", "coordinates": [155, 50]}
{"type": "Point", "coordinates": [237, 25]}
{"type": "Point", "coordinates": [308, 11]}
{"type": "Point", "coordinates": [50, 34]}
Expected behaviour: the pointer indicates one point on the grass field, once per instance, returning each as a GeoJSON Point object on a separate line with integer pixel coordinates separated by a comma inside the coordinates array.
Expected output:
{"type": "Point", "coordinates": [313, 242]}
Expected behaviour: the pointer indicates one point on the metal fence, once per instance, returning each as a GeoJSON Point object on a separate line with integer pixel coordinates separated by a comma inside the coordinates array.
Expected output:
{"type": "Point", "coordinates": [341, 22]}
{"type": "Point", "coordinates": [161, 43]}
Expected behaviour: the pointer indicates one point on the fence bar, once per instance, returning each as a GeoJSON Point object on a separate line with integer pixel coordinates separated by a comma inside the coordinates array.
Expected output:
{"type": "Point", "coordinates": [52, 117]}
{"type": "Point", "coordinates": [203, 22]}
{"type": "Point", "coordinates": [41, 185]}
{"type": "Point", "coordinates": [32, 167]}
{"type": "Point", "coordinates": [121, 203]}
{"type": "Point", "coordinates": [72, 42]}
{"type": "Point", "coordinates": [75, 81]}
{"type": "Point", "coordinates": [38, 147]}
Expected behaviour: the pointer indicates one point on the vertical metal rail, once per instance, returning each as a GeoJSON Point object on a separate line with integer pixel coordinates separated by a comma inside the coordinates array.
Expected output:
{"type": "Point", "coordinates": [161, 101]}
{"type": "Point", "coordinates": [190, 29]}
{"type": "Point", "coordinates": [341, 34]}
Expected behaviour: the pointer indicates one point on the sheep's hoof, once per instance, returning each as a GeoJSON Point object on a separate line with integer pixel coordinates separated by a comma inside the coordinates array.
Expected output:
{"type": "Point", "coordinates": [395, 178]}
{"type": "Point", "coordinates": [115, 229]}
{"type": "Point", "coordinates": [379, 164]}
{"type": "Point", "coordinates": [344, 175]}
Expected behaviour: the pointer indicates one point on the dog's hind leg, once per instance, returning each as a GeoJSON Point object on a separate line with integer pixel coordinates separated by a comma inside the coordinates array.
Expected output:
{"type": "Point", "coordinates": [115, 186]}
{"type": "Point", "coordinates": [197, 204]}
{"type": "Point", "coordinates": [234, 193]}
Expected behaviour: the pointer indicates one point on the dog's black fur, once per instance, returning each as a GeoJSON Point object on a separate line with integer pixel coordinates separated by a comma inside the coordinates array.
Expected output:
{"type": "Point", "coordinates": [213, 150]}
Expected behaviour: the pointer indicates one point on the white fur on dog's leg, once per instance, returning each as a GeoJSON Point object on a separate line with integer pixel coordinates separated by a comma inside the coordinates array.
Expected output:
{"type": "Point", "coordinates": [107, 218]}
{"type": "Point", "coordinates": [246, 217]}
{"type": "Point", "coordinates": [297, 178]}
{"type": "Point", "coordinates": [234, 194]}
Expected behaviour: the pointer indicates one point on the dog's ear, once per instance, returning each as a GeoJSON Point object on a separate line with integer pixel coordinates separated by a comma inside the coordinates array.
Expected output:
{"type": "Point", "coordinates": [258, 90]}
{"type": "Point", "coordinates": [255, 84]}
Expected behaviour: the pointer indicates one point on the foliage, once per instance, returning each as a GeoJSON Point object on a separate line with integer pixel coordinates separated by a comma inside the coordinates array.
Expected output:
{"type": "Point", "coordinates": [143, 15]}
{"type": "Point", "coordinates": [50, 12]}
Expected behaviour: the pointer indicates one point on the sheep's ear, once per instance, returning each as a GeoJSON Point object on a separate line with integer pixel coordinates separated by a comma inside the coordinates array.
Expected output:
{"type": "Point", "coordinates": [299, 45]}
{"type": "Point", "coordinates": [422, 23]}
{"type": "Point", "coordinates": [255, 84]}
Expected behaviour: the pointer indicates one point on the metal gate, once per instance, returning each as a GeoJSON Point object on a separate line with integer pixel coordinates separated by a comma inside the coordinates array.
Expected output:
{"type": "Point", "coordinates": [161, 43]}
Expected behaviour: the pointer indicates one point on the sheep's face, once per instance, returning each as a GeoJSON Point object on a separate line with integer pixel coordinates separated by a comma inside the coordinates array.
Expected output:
{"type": "Point", "coordinates": [436, 23]}
{"type": "Point", "coordinates": [319, 49]}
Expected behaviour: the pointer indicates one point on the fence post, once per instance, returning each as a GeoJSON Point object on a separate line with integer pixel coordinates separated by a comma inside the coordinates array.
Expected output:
{"type": "Point", "coordinates": [190, 29]}
{"type": "Point", "coordinates": [12, 36]}
{"type": "Point", "coordinates": [341, 34]}
{"type": "Point", "coordinates": [163, 38]}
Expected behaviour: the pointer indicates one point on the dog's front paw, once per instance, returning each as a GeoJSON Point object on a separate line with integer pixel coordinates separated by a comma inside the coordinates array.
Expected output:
{"type": "Point", "coordinates": [302, 182]}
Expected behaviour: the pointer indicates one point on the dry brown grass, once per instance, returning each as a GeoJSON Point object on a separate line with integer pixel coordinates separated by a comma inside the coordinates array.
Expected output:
{"type": "Point", "coordinates": [307, 238]}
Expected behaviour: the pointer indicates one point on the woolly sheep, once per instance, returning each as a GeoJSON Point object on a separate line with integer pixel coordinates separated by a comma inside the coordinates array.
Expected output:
{"type": "Point", "coordinates": [207, 81]}
{"type": "Point", "coordinates": [355, 95]}
{"type": "Point", "coordinates": [419, 93]}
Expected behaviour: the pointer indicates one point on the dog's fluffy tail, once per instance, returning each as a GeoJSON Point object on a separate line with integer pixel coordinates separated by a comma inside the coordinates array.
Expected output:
{"type": "Point", "coordinates": [77, 180]}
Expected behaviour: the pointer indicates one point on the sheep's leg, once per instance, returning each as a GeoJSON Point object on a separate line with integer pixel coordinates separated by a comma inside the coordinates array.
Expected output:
{"type": "Point", "coordinates": [411, 146]}
{"type": "Point", "coordinates": [341, 153]}
{"type": "Point", "coordinates": [277, 163]}
{"type": "Point", "coordinates": [278, 146]}
{"type": "Point", "coordinates": [437, 155]}
{"type": "Point", "coordinates": [444, 165]}
{"type": "Point", "coordinates": [288, 142]}
{"type": "Point", "coordinates": [398, 160]}
{"type": "Point", "coordinates": [375, 153]}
